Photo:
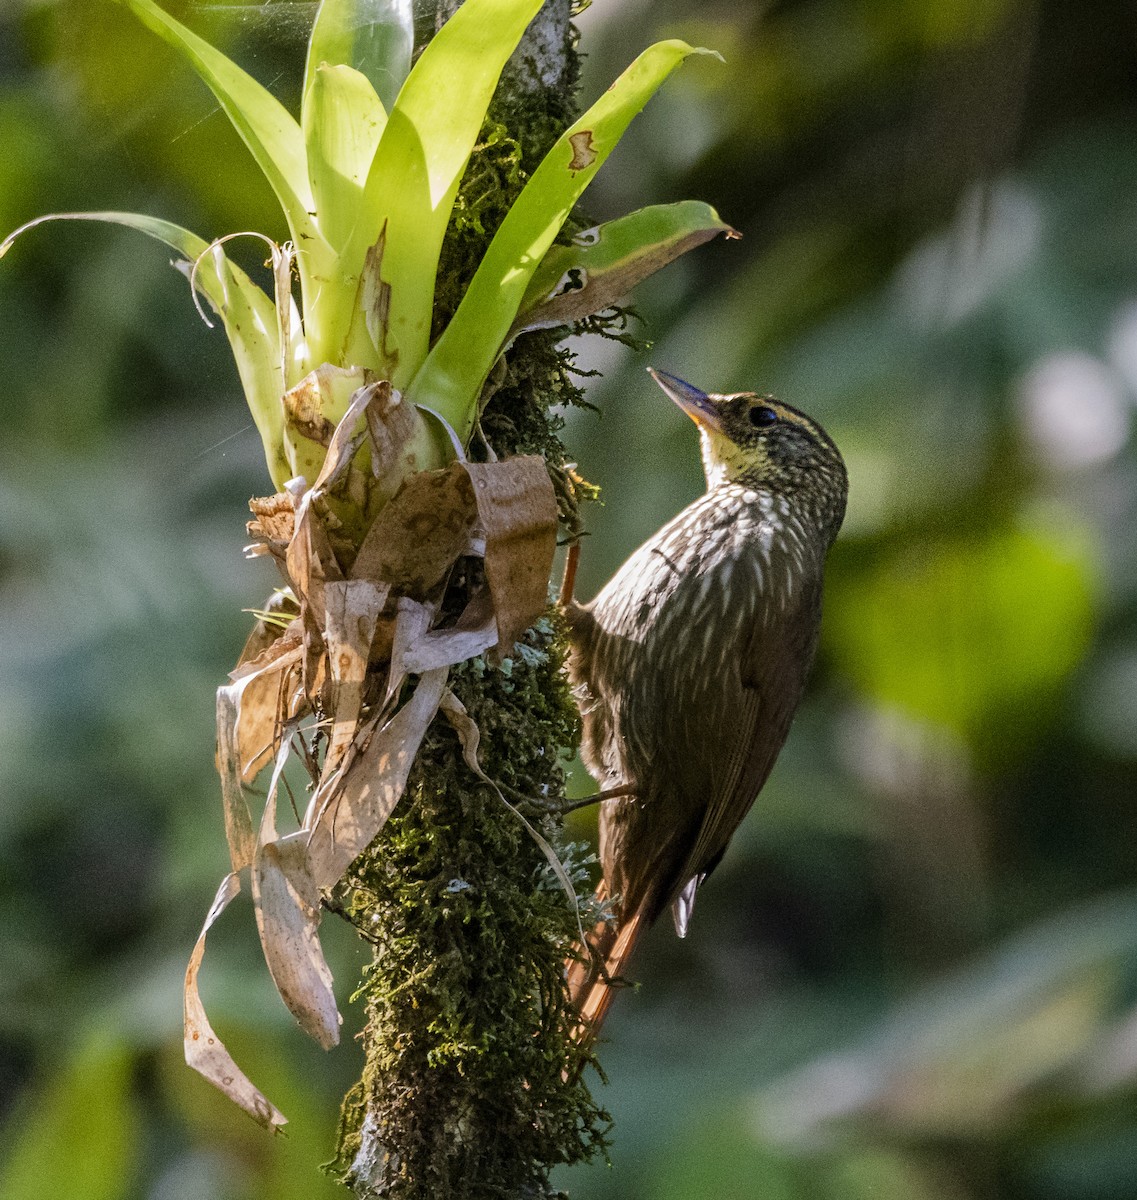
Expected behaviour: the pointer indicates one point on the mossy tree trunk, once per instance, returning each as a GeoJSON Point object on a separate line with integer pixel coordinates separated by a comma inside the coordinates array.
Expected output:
{"type": "Point", "coordinates": [465, 1091]}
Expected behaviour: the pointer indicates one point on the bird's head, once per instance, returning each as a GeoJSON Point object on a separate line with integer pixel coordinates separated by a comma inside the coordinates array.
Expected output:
{"type": "Point", "coordinates": [761, 443]}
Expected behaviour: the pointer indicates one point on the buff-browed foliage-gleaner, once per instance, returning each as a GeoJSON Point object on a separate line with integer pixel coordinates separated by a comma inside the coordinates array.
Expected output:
{"type": "Point", "coordinates": [690, 663]}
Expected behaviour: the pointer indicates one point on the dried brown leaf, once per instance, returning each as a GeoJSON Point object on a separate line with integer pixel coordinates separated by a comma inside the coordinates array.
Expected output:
{"type": "Point", "coordinates": [371, 785]}
{"type": "Point", "coordinates": [288, 917]}
{"type": "Point", "coordinates": [275, 620]}
{"type": "Point", "coordinates": [517, 509]}
{"type": "Point", "coordinates": [393, 425]}
{"type": "Point", "coordinates": [311, 562]}
{"type": "Point", "coordinates": [265, 693]}
{"type": "Point", "coordinates": [345, 441]}
{"type": "Point", "coordinates": [287, 905]}
{"type": "Point", "coordinates": [311, 406]}
{"type": "Point", "coordinates": [474, 632]}
{"type": "Point", "coordinates": [352, 610]}
{"type": "Point", "coordinates": [415, 540]}
{"type": "Point", "coordinates": [238, 820]}
{"type": "Point", "coordinates": [412, 620]}
{"type": "Point", "coordinates": [273, 523]}
{"type": "Point", "coordinates": [204, 1050]}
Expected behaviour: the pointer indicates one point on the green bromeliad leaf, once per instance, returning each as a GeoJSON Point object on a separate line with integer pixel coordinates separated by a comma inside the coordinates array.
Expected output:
{"type": "Point", "coordinates": [430, 134]}
{"type": "Point", "coordinates": [452, 376]}
{"type": "Point", "coordinates": [601, 265]}
{"type": "Point", "coordinates": [368, 191]}
{"type": "Point", "coordinates": [375, 37]}
{"type": "Point", "coordinates": [248, 315]}
{"type": "Point", "coordinates": [343, 121]}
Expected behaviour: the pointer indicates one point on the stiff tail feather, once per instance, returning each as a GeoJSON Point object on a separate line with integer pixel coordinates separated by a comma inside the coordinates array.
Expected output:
{"type": "Point", "coordinates": [593, 974]}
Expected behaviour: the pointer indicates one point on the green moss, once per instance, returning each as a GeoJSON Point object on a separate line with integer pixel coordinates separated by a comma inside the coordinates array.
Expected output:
{"type": "Point", "coordinates": [467, 1021]}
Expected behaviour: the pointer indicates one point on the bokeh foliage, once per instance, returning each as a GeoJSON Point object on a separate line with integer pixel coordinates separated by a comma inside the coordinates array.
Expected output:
{"type": "Point", "coordinates": [915, 974]}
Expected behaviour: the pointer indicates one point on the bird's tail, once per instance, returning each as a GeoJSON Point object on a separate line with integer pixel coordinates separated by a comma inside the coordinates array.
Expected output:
{"type": "Point", "coordinates": [595, 970]}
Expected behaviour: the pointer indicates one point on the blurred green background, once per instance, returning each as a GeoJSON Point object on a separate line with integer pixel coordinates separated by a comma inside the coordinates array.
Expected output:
{"type": "Point", "coordinates": [914, 977]}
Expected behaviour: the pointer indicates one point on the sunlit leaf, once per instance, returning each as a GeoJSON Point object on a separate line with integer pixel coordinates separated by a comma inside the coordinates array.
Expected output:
{"type": "Point", "coordinates": [375, 37]}
{"type": "Point", "coordinates": [428, 139]}
{"type": "Point", "coordinates": [265, 126]}
{"type": "Point", "coordinates": [343, 121]}
{"type": "Point", "coordinates": [452, 376]}
{"type": "Point", "coordinates": [601, 265]}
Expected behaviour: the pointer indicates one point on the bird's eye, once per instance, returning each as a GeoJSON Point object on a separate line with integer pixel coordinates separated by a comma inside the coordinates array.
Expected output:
{"type": "Point", "coordinates": [761, 416]}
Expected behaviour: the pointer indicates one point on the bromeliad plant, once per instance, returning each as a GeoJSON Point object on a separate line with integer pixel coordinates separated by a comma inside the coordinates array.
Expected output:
{"type": "Point", "coordinates": [367, 195]}
{"type": "Point", "coordinates": [365, 425]}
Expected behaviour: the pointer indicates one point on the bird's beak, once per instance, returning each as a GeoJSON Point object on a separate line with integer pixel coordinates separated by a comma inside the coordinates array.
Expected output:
{"type": "Point", "coordinates": [696, 404]}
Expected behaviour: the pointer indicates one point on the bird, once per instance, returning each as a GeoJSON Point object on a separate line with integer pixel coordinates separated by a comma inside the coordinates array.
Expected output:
{"type": "Point", "coordinates": [689, 664]}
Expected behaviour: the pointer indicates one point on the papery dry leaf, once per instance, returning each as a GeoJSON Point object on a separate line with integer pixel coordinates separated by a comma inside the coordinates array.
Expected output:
{"type": "Point", "coordinates": [273, 622]}
{"type": "Point", "coordinates": [272, 696]}
{"type": "Point", "coordinates": [287, 905]}
{"type": "Point", "coordinates": [273, 523]}
{"type": "Point", "coordinates": [311, 564]}
{"type": "Point", "coordinates": [238, 821]}
{"type": "Point", "coordinates": [371, 785]}
{"type": "Point", "coordinates": [470, 736]}
{"type": "Point", "coordinates": [204, 1050]}
{"type": "Point", "coordinates": [310, 559]}
{"type": "Point", "coordinates": [393, 425]}
{"type": "Point", "coordinates": [412, 620]}
{"type": "Point", "coordinates": [474, 632]}
{"type": "Point", "coordinates": [517, 509]}
{"type": "Point", "coordinates": [311, 406]}
{"type": "Point", "coordinates": [352, 610]}
{"type": "Point", "coordinates": [288, 918]}
{"type": "Point", "coordinates": [419, 534]}
{"type": "Point", "coordinates": [345, 441]}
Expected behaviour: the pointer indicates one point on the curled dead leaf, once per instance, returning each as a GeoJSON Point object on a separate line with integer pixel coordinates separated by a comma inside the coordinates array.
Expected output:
{"type": "Point", "coordinates": [352, 609]}
{"type": "Point", "coordinates": [273, 621]}
{"type": "Point", "coordinates": [474, 632]}
{"type": "Point", "coordinates": [314, 406]}
{"type": "Point", "coordinates": [517, 510]}
{"type": "Point", "coordinates": [266, 693]}
{"type": "Point", "coordinates": [370, 785]}
{"type": "Point", "coordinates": [238, 821]}
{"type": "Point", "coordinates": [204, 1050]}
{"type": "Point", "coordinates": [394, 426]}
{"type": "Point", "coordinates": [272, 526]}
{"type": "Point", "coordinates": [417, 537]}
{"type": "Point", "coordinates": [287, 905]}
{"type": "Point", "coordinates": [412, 621]}
{"type": "Point", "coordinates": [288, 918]}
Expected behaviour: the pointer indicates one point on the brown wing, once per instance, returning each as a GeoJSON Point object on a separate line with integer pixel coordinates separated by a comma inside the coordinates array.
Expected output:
{"type": "Point", "coordinates": [773, 672]}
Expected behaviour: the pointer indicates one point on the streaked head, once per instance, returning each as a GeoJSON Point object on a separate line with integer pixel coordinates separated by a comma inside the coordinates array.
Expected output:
{"type": "Point", "coordinates": [760, 442]}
